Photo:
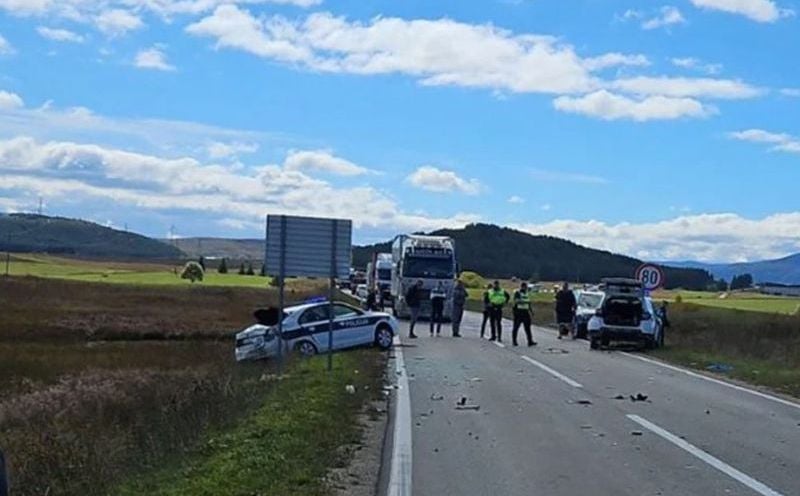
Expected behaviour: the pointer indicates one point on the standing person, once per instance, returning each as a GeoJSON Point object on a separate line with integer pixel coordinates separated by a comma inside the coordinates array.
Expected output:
{"type": "Point", "coordinates": [565, 309]}
{"type": "Point", "coordinates": [498, 297]}
{"type": "Point", "coordinates": [487, 309]}
{"type": "Point", "coordinates": [370, 303]}
{"type": "Point", "coordinates": [459, 300]}
{"type": "Point", "coordinates": [523, 311]}
{"type": "Point", "coordinates": [438, 295]}
{"type": "Point", "coordinates": [414, 300]}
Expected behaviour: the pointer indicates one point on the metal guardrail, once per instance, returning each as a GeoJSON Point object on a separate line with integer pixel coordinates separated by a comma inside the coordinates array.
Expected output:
{"type": "Point", "coordinates": [3, 475]}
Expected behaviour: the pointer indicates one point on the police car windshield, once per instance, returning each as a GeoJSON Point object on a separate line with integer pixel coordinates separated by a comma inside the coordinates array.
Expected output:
{"type": "Point", "coordinates": [590, 300]}
{"type": "Point", "coordinates": [432, 268]}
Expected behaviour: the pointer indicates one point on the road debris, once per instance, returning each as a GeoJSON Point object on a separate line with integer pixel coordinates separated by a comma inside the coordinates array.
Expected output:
{"type": "Point", "coordinates": [556, 351]}
{"type": "Point", "coordinates": [639, 397]}
{"type": "Point", "coordinates": [468, 407]}
{"type": "Point", "coordinates": [636, 433]}
{"type": "Point", "coordinates": [475, 379]}
{"type": "Point", "coordinates": [584, 402]}
{"type": "Point", "coordinates": [586, 426]}
{"type": "Point", "coordinates": [350, 389]}
{"type": "Point", "coordinates": [720, 368]}
{"type": "Point", "coordinates": [619, 397]}
{"type": "Point", "coordinates": [437, 397]}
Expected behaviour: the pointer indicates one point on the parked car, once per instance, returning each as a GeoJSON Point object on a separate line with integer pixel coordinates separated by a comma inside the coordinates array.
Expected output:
{"type": "Point", "coordinates": [625, 315]}
{"type": "Point", "coordinates": [305, 330]}
{"type": "Point", "coordinates": [588, 304]}
{"type": "Point", "coordinates": [361, 291]}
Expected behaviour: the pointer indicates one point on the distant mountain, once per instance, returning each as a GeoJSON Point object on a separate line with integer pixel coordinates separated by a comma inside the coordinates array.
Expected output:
{"type": "Point", "coordinates": [501, 252]}
{"type": "Point", "coordinates": [31, 233]}
{"type": "Point", "coordinates": [783, 270]}
{"type": "Point", "coordinates": [242, 249]}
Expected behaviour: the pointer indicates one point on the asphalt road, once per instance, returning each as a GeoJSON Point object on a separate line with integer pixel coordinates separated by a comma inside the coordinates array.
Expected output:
{"type": "Point", "coordinates": [549, 423]}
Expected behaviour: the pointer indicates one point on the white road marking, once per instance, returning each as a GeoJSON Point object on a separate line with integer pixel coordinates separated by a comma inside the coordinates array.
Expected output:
{"type": "Point", "coordinates": [501, 345]}
{"type": "Point", "coordinates": [715, 381]}
{"type": "Point", "coordinates": [554, 373]}
{"type": "Point", "coordinates": [718, 464]}
{"type": "Point", "coordinates": [400, 476]}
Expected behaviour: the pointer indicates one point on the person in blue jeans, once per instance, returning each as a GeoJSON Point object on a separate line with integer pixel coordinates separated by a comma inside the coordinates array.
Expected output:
{"type": "Point", "coordinates": [438, 296]}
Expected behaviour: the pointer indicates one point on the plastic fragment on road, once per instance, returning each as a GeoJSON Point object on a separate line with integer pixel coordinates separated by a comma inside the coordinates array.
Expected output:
{"type": "Point", "coordinates": [639, 397]}
{"type": "Point", "coordinates": [437, 397]}
{"type": "Point", "coordinates": [468, 407]}
{"type": "Point", "coordinates": [584, 402]}
{"type": "Point", "coordinates": [636, 433]}
{"type": "Point", "coordinates": [556, 351]}
{"type": "Point", "coordinates": [721, 368]}
{"type": "Point", "coordinates": [475, 379]}
{"type": "Point", "coordinates": [619, 397]}
{"type": "Point", "coordinates": [350, 389]}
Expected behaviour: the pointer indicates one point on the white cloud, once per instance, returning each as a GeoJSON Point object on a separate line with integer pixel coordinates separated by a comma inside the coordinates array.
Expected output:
{"type": "Point", "coordinates": [614, 60]}
{"type": "Point", "coordinates": [437, 52]}
{"type": "Point", "coordinates": [668, 16]}
{"type": "Point", "coordinates": [153, 58]}
{"type": "Point", "coordinates": [78, 172]}
{"type": "Point", "coordinates": [780, 142]}
{"type": "Point", "coordinates": [705, 237]}
{"type": "Point", "coordinates": [696, 64]}
{"type": "Point", "coordinates": [793, 92]}
{"type": "Point", "coordinates": [438, 180]}
{"type": "Point", "coordinates": [5, 46]}
{"type": "Point", "coordinates": [546, 207]}
{"type": "Point", "coordinates": [544, 175]}
{"type": "Point", "coordinates": [757, 10]}
{"type": "Point", "coordinates": [218, 150]}
{"type": "Point", "coordinates": [117, 22]}
{"type": "Point", "coordinates": [726, 89]}
{"type": "Point", "coordinates": [10, 101]}
{"type": "Point", "coordinates": [59, 34]}
{"type": "Point", "coordinates": [323, 161]}
{"type": "Point", "coordinates": [609, 106]}
{"type": "Point", "coordinates": [516, 200]}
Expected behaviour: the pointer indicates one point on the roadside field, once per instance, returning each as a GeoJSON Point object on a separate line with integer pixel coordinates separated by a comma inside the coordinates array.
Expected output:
{"type": "Point", "coordinates": [122, 272]}
{"type": "Point", "coordinates": [749, 301]}
{"type": "Point", "coordinates": [111, 388]}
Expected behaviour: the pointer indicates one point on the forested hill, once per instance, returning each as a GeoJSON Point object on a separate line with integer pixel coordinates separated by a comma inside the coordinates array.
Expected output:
{"type": "Point", "coordinates": [57, 235]}
{"type": "Point", "coordinates": [502, 252]}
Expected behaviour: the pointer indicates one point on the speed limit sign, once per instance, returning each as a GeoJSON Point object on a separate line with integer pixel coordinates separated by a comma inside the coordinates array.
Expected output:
{"type": "Point", "coordinates": [651, 276]}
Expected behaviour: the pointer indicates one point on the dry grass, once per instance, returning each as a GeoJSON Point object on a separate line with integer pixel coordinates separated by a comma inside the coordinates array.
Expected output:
{"type": "Point", "coordinates": [37, 308]}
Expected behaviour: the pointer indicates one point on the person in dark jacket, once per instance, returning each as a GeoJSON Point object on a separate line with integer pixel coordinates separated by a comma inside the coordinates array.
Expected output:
{"type": "Point", "coordinates": [438, 296]}
{"type": "Point", "coordinates": [459, 300]}
{"type": "Point", "coordinates": [565, 309]}
{"type": "Point", "coordinates": [486, 309]}
{"type": "Point", "coordinates": [414, 301]}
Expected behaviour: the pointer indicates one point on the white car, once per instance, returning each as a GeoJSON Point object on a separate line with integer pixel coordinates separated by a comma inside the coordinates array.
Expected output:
{"type": "Point", "coordinates": [625, 315]}
{"type": "Point", "coordinates": [361, 291]}
{"type": "Point", "coordinates": [305, 330]}
{"type": "Point", "coordinates": [588, 302]}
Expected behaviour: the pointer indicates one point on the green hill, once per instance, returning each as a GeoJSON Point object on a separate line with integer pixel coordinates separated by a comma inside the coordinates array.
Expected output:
{"type": "Point", "coordinates": [28, 233]}
{"type": "Point", "coordinates": [504, 253]}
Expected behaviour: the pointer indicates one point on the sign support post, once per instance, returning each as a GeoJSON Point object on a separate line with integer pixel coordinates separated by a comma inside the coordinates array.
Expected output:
{"type": "Point", "coordinates": [332, 284]}
{"type": "Point", "coordinates": [281, 287]}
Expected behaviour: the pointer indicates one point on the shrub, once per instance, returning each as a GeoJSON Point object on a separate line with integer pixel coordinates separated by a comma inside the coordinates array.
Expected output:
{"type": "Point", "coordinates": [223, 267]}
{"type": "Point", "coordinates": [473, 280]}
{"type": "Point", "coordinates": [250, 271]}
{"type": "Point", "coordinates": [192, 271]}
{"type": "Point", "coordinates": [241, 269]}
{"type": "Point", "coordinates": [678, 298]}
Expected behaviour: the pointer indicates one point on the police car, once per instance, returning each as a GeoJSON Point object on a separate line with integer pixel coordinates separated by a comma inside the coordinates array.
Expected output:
{"type": "Point", "coordinates": [305, 330]}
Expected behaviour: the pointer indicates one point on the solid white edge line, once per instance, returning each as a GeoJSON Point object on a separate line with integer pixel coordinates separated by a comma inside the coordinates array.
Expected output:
{"type": "Point", "coordinates": [715, 381]}
{"type": "Point", "coordinates": [554, 373]}
{"type": "Point", "coordinates": [718, 464]}
{"type": "Point", "coordinates": [400, 475]}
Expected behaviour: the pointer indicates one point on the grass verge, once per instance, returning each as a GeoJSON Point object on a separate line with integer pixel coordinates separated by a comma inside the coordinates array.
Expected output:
{"type": "Point", "coordinates": [288, 445]}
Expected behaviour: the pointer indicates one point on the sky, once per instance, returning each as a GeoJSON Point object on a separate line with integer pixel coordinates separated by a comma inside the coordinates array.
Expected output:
{"type": "Point", "coordinates": [666, 131]}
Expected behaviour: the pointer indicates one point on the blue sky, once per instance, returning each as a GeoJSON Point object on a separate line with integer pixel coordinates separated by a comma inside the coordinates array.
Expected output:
{"type": "Point", "coordinates": [661, 130]}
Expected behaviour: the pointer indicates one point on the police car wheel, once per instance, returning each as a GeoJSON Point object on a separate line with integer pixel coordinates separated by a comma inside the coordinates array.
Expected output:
{"type": "Point", "coordinates": [306, 349]}
{"type": "Point", "coordinates": [383, 338]}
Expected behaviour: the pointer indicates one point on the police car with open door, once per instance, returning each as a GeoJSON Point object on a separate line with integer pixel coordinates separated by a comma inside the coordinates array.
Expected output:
{"type": "Point", "coordinates": [305, 330]}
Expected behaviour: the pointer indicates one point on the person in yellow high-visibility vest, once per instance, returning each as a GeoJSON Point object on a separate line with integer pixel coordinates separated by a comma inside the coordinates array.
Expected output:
{"type": "Point", "coordinates": [498, 297]}
{"type": "Point", "coordinates": [523, 311]}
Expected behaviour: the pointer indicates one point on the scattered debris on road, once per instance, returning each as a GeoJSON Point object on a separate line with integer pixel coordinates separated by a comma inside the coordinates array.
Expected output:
{"type": "Point", "coordinates": [463, 405]}
{"type": "Point", "coordinates": [636, 433]}
{"type": "Point", "coordinates": [586, 426]}
{"type": "Point", "coordinates": [720, 368]}
{"type": "Point", "coordinates": [639, 397]}
{"type": "Point", "coordinates": [475, 379]}
{"type": "Point", "coordinates": [556, 351]}
{"type": "Point", "coordinates": [350, 389]}
{"type": "Point", "coordinates": [584, 402]}
{"type": "Point", "coordinates": [437, 397]}
{"type": "Point", "coordinates": [619, 397]}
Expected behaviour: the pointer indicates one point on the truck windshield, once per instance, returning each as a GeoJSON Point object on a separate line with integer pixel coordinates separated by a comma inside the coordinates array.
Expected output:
{"type": "Point", "coordinates": [384, 274]}
{"type": "Point", "coordinates": [432, 268]}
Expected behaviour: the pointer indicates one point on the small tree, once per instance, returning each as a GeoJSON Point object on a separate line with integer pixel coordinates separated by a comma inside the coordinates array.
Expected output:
{"type": "Point", "coordinates": [263, 271]}
{"type": "Point", "coordinates": [202, 262]}
{"type": "Point", "coordinates": [250, 271]}
{"type": "Point", "coordinates": [192, 271]}
{"type": "Point", "coordinates": [241, 269]}
{"type": "Point", "coordinates": [223, 267]}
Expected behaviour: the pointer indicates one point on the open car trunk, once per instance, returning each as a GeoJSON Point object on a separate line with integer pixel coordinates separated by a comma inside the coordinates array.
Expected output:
{"type": "Point", "coordinates": [622, 311]}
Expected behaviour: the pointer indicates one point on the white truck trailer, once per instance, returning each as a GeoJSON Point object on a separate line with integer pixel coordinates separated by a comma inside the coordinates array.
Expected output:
{"type": "Point", "coordinates": [379, 276]}
{"type": "Point", "coordinates": [430, 259]}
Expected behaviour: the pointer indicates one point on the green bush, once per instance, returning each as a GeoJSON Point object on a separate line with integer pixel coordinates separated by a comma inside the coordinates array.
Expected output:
{"type": "Point", "coordinates": [473, 280]}
{"type": "Point", "coordinates": [192, 271]}
{"type": "Point", "coordinates": [223, 267]}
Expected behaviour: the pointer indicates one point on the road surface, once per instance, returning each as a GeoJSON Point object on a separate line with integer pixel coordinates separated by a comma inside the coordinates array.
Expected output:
{"type": "Point", "coordinates": [549, 423]}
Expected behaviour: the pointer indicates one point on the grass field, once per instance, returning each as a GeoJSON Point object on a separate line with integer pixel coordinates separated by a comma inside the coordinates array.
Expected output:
{"type": "Point", "coordinates": [121, 272]}
{"type": "Point", "coordinates": [749, 301]}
